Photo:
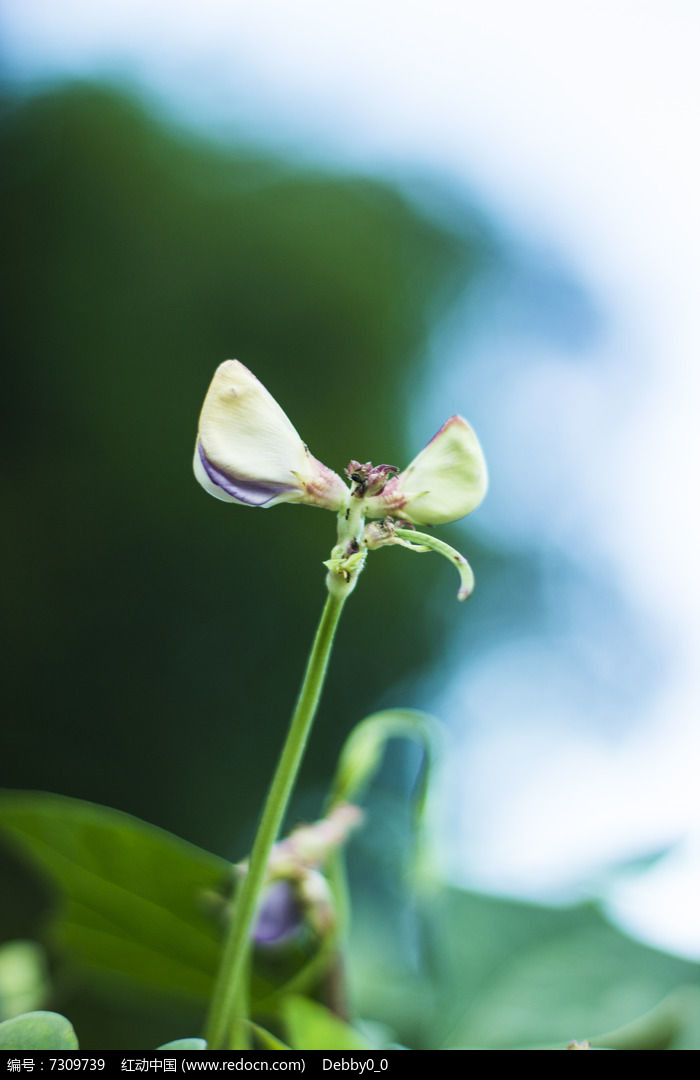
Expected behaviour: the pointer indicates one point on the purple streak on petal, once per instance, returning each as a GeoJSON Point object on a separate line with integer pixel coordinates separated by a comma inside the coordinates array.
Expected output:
{"type": "Point", "coordinates": [246, 491]}
{"type": "Point", "coordinates": [279, 917]}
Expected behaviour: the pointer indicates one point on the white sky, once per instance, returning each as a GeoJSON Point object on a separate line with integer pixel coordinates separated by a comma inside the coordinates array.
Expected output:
{"type": "Point", "coordinates": [578, 124]}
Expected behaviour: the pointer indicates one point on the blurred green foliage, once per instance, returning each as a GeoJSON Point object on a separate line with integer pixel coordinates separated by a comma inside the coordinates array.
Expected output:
{"type": "Point", "coordinates": [24, 983]}
{"type": "Point", "coordinates": [475, 971]}
{"type": "Point", "coordinates": [133, 897]}
{"type": "Point", "coordinates": [439, 969]}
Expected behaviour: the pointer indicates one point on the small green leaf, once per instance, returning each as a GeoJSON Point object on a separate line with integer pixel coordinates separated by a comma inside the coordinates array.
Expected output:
{"type": "Point", "coordinates": [184, 1044]}
{"type": "Point", "coordinates": [38, 1031]}
{"type": "Point", "coordinates": [268, 1040]}
{"type": "Point", "coordinates": [362, 753]}
{"type": "Point", "coordinates": [23, 978]}
{"type": "Point", "coordinates": [131, 893]}
{"type": "Point", "coordinates": [311, 1026]}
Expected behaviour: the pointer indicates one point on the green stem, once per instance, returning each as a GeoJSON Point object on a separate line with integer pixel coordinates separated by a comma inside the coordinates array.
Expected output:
{"type": "Point", "coordinates": [222, 1009]}
{"type": "Point", "coordinates": [239, 1035]}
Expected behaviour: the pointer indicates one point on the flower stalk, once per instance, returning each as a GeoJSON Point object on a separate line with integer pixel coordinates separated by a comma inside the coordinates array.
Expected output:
{"type": "Point", "coordinates": [232, 969]}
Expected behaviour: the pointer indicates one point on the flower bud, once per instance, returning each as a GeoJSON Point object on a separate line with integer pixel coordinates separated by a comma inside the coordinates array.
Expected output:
{"type": "Point", "coordinates": [248, 451]}
{"type": "Point", "coordinates": [279, 916]}
{"type": "Point", "coordinates": [447, 480]}
{"type": "Point", "coordinates": [297, 894]}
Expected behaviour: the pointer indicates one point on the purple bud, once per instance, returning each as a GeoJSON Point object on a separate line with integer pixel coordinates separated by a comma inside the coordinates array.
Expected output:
{"type": "Point", "coordinates": [279, 917]}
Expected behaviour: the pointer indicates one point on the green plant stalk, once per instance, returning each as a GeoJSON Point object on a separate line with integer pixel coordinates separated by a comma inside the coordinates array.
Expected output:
{"type": "Point", "coordinates": [239, 1035]}
{"type": "Point", "coordinates": [227, 989]}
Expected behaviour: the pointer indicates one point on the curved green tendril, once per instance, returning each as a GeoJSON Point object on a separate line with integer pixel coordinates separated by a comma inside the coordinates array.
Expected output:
{"type": "Point", "coordinates": [463, 568]}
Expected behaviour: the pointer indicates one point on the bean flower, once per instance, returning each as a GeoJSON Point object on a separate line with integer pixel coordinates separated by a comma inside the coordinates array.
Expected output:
{"type": "Point", "coordinates": [248, 452]}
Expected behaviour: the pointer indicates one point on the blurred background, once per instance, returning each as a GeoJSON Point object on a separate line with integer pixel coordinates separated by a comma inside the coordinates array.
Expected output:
{"type": "Point", "coordinates": [390, 212]}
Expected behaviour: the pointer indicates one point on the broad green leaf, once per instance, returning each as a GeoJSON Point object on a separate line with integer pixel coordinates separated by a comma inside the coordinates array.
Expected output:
{"type": "Point", "coordinates": [571, 976]}
{"type": "Point", "coordinates": [131, 894]}
{"type": "Point", "coordinates": [268, 1040]}
{"type": "Point", "coordinates": [363, 749]}
{"type": "Point", "coordinates": [506, 974]}
{"type": "Point", "coordinates": [673, 1024]}
{"type": "Point", "coordinates": [23, 978]}
{"type": "Point", "coordinates": [311, 1026]}
{"type": "Point", "coordinates": [184, 1044]}
{"type": "Point", "coordinates": [38, 1031]}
